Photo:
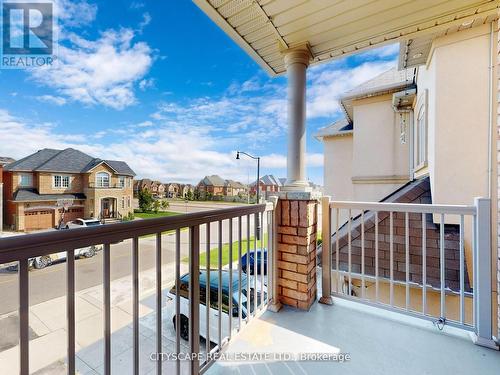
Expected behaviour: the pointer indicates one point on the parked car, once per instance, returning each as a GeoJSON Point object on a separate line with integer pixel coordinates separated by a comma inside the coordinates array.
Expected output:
{"type": "Point", "coordinates": [78, 223]}
{"type": "Point", "coordinates": [248, 260]}
{"type": "Point", "coordinates": [46, 260]}
{"type": "Point", "coordinates": [214, 309]}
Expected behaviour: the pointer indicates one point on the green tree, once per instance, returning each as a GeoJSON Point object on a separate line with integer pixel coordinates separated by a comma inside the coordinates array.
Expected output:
{"type": "Point", "coordinates": [145, 200]}
{"type": "Point", "coordinates": [164, 205]}
{"type": "Point", "coordinates": [156, 206]}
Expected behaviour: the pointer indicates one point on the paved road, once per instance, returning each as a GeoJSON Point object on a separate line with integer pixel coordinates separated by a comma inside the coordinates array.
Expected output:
{"type": "Point", "coordinates": [50, 283]}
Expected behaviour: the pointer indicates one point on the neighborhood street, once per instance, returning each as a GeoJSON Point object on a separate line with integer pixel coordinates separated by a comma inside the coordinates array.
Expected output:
{"type": "Point", "coordinates": [49, 283]}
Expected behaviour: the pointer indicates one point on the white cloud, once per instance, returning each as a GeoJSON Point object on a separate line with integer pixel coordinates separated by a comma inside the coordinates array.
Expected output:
{"type": "Point", "coordinates": [57, 100]}
{"type": "Point", "coordinates": [74, 13]}
{"type": "Point", "coordinates": [146, 84]}
{"type": "Point", "coordinates": [146, 20]}
{"type": "Point", "coordinates": [99, 72]}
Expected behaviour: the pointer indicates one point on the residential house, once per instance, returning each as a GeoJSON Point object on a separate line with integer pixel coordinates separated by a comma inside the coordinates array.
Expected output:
{"type": "Point", "coordinates": [144, 184]}
{"type": "Point", "coordinates": [186, 190]}
{"type": "Point", "coordinates": [173, 190]}
{"type": "Point", "coordinates": [51, 186]}
{"type": "Point", "coordinates": [211, 185]}
{"type": "Point", "coordinates": [3, 161]}
{"type": "Point", "coordinates": [417, 135]}
{"type": "Point", "coordinates": [268, 183]}
{"type": "Point", "coordinates": [234, 188]}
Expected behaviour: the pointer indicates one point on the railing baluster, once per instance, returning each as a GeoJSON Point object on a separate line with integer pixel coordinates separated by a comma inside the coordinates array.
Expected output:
{"type": "Point", "coordinates": [178, 300]}
{"type": "Point", "coordinates": [376, 258]}
{"type": "Point", "coordinates": [270, 251]}
{"type": "Point", "coordinates": [261, 259]}
{"type": "Point", "coordinates": [255, 276]}
{"type": "Point", "coordinates": [442, 264]}
{"type": "Point", "coordinates": [230, 314]}
{"type": "Point", "coordinates": [24, 345]}
{"type": "Point", "coordinates": [70, 309]}
{"type": "Point", "coordinates": [219, 286]}
{"type": "Point", "coordinates": [158, 302]}
{"type": "Point", "coordinates": [407, 259]}
{"type": "Point", "coordinates": [208, 291]}
{"type": "Point", "coordinates": [362, 254]}
{"type": "Point", "coordinates": [337, 248]}
{"type": "Point", "coordinates": [349, 239]}
{"type": "Point", "coordinates": [248, 269]}
{"type": "Point", "coordinates": [107, 307]}
{"type": "Point", "coordinates": [424, 265]}
{"type": "Point", "coordinates": [462, 276]}
{"type": "Point", "coordinates": [194, 298]}
{"type": "Point", "coordinates": [240, 305]}
{"type": "Point", "coordinates": [135, 303]}
{"type": "Point", "coordinates": [391, 257]}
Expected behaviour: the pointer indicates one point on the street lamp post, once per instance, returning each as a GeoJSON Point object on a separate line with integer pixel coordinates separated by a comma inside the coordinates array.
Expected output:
{"type": "Point", "coordinates": [257, 221]}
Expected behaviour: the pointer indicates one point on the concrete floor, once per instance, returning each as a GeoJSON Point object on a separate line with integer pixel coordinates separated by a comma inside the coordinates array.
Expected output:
{"type": "Point", "coordinates": [378, 342]}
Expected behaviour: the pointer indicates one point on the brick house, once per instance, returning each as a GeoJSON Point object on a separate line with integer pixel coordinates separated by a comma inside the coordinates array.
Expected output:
{"type": "Point", "coordinates": [234, 188]}
{"type": "Point", "coordinates": [173, 190]}
{"type": "Point", "coordinates": [185, 189]}
{"type": "Point", "coordinates": [211, 185]}
{"type": "Point", "coordinates": [268, 183]}
{"type": "Point", "coordinates": [35, 188]}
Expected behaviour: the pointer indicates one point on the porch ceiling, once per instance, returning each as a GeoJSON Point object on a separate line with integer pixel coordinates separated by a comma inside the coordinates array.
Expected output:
{"type": "Point", "coordinates": [335, 28]}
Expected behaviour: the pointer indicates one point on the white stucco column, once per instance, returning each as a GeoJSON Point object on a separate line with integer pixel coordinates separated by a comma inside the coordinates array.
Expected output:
{"type": "Point", "coordinates": [296, 61]}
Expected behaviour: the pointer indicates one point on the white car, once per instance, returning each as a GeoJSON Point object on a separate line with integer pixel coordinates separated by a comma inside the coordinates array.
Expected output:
{"type": "Point", "coordinates": [46, 260]}
{"type": "Point", "coordinates": [214, 310]}
{"type": "Point", "coordinates": [79, 223]}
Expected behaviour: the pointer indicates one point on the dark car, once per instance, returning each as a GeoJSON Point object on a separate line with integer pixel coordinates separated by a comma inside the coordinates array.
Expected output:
{"type": "Point", "coordinates": [248, 259]}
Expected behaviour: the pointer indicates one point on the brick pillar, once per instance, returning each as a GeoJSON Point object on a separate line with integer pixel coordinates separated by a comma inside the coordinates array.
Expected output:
{"type": "Point", "coordinates": [296, 244]}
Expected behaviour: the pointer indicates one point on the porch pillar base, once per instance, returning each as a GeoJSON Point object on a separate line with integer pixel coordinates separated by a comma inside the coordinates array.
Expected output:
{"type": "Point", "coordinates": [481, 341]}
{"type": "Point", "coordinates": [274, 307]}
{"type": "Point", "coordinates": [296, 245]}
{"type": "Point", "coordinates": [326, 300]}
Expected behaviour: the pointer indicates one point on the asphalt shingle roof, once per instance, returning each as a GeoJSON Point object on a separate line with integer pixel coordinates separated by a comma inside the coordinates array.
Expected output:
{"type": "Point", "coordinates": [339, 127]}
{"type": "Point", "coordinates": [213, 180]}
{"type": "Point", "coordinates": [5, 160]}
{"type": "Point", "coordinates": [23, 195]}
{"type": "Point", "coordinates": [68, 160]}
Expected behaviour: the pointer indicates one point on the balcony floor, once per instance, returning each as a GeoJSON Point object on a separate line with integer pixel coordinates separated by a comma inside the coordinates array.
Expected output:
{"type": "Point", "coordinates": [378, 341]}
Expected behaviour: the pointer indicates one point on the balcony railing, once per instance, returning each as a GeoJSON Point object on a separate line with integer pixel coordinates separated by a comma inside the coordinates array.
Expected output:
{"type": "Point", "coordinates": [408, 258]}
{"type": "Point", "coordinates": [93, 185]}
{"type": "Point", "coordinates": [23, 248]}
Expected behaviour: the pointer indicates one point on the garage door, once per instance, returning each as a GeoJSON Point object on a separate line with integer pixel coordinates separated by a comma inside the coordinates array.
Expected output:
{"type": "Point", "coordinates": [73, 214]}
{"type": "Point", "coordinates": [38, 220]}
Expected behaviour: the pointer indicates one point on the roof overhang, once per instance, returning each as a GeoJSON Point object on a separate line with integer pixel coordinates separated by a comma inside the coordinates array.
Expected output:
{"type": "Point", "coordinates": [336, 28]}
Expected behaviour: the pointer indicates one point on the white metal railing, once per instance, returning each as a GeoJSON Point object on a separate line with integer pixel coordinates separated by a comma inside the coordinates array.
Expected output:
{"type": "Point", "coordinates": [22, 249]}
{"type": "Point", "coordinates": [354, 279]}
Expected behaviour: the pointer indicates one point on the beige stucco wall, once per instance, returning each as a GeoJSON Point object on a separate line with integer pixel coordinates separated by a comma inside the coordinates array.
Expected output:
{"type": "Point", "coordinates": [457, 81]}
{"type": "Point", "coordinates": [371, 163]}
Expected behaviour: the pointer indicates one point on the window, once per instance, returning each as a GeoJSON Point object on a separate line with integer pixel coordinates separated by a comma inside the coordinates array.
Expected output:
{"type": "Point", "coordinates": [123, 202]}
{"type": "Point", "coordinates": [420, 157]}
{"type": "Point", "coordinates": [129, 182]}
{"type": "Point", "coordinates": [128, 202]}
{"type": "Point", "coordinates": [122, 181]}
{"type": "Point", "coordinates": [102, 179]}
{"type": "Point", "coordinates": [61, 181]}
{"type": "Point", "coordinates": [26, 179]}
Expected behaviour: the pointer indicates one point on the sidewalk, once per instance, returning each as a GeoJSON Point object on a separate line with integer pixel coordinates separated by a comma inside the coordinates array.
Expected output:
{"type": "Point", "coordinates": [48, 328]}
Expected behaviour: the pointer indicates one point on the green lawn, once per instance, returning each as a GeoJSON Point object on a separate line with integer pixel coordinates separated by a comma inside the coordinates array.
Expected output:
{"type": "Point", "coordinates": [152, 215]}
{"type": "Point", "coordinates": [214, 252]}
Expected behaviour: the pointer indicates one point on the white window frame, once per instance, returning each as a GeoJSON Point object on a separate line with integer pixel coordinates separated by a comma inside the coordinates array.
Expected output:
{"type": "Point", "coordinates": [29, 176]}
{"type": "Point", "coordinates": [99, 182]}
{"type": "Point", "coordinates": [128, 202]}
{"type": "Point", "coordinates": [122, 181]}
{"type": "Point", "coordinates": [123, 202]}
{"type": "Point", "coordinates": [421, 134]}
{"type": "Point", "coordinates": [64, 181]}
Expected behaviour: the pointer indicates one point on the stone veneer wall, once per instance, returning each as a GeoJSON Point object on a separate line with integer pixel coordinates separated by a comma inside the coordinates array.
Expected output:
{"type": "Point", "coordinates": [297, 227]}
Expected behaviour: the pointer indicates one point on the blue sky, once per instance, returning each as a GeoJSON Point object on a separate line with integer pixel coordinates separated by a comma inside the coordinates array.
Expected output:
{"type": "Point", "coordinates": [157, 84]}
